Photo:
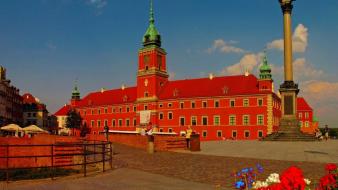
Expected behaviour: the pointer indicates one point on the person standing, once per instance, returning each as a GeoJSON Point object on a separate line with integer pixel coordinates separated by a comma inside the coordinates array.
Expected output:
{"type": "Point", "coordinates": [326, 132]}
{"type": "Point", "coordinates": [187, 136]}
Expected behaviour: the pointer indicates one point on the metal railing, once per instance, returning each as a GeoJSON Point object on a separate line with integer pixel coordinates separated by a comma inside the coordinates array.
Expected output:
{"type": "Point", "coordinates": [75, 154]}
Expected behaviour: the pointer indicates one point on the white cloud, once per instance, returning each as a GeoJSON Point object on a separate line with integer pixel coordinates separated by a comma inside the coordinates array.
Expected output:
{"type": "Point", "coordinates": [302, 71]}
{"type": "Point", "coordinates": [323, 97]}
{"type": "Point", "coordinates": [248, 62]}
{"type": "Point", "coordinates": [299, 40]}
{"type": "Point", "coordinates": [98, 3]}
{"type": "Point", "coordinates": [224, 47]}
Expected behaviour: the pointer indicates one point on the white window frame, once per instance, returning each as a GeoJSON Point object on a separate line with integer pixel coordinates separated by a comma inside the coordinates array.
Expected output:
{"type": "Point", "coordinates": [172, 116]}
{"type": "Point", "coordinates": [246, 102]}
{"type": "Point", "coordinates": [203, 120]}
{"type": "Point", "coordinates": [179, 121]}
{"type": "Point", "coordinates": [243, 121]}
{"type": "Point", "coordinates": [219, 120]}
{"type": "Point", "coordinates": [205, 132]}
{"type": "Point", "coordinates": [247, 131]}
{"type": "Point", "coordinates": [232, 100]}
{"type": "Point", "coordinates": [258, 123]}
{"type": "Point", "coordinates": [192, 120]}
{"type": "Point", "coordinates": [230, 123]}
{"type": "Point", "coordinates": [219, 131]}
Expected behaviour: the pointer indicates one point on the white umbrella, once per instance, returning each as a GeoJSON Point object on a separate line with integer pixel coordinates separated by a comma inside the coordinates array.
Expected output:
{"type": "Point", "coordinates": [11, 127]}
{"type": "Point", "coordinates": [33, 129]}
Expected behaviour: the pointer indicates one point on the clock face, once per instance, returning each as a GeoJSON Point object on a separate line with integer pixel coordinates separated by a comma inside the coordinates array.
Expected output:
{"type": "Point", "coordinates": [146, 59]}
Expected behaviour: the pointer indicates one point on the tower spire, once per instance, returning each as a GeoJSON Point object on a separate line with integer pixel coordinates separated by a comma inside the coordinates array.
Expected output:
{"type": "Point", "coordinates": [152, 36]}
{"type": "Point", "coordinates": [75, 92]}
{"type": "Point", "coordinates": [151, 18]}
{"type": "Point", "coordinates": [265, 70]}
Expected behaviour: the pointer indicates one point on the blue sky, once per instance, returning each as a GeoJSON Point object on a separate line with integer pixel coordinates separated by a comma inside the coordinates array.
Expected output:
{"type": "Point", "coordinates": [46, 44]}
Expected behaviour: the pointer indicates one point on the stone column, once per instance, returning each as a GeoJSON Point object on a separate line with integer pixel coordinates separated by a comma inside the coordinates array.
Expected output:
{"type": "Point", "coordinates": [288, 89]}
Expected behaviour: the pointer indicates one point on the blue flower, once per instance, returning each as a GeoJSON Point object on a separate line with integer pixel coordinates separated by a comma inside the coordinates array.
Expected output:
{"type": "Point", "coordinates": [245, 170]}
{"type": "Point", "coordinates": [239, 174]}
{"type": "Point", "coordinates": [239, 184]}
{"type": "Point", "coordinates": [259, 168]}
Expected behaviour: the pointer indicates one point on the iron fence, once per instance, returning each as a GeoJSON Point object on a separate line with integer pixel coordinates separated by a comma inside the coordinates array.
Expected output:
{"type": "Point", "coordinates": [75, 154]}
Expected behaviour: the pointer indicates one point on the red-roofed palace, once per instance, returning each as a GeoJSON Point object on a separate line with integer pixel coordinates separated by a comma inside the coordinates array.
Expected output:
{"type": "Point", "coordinates": [225, 107]}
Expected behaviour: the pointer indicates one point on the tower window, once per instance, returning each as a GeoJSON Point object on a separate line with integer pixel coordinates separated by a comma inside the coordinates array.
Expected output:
{"type": "Point", "coordinates": [192, 104]}
{"type": "Point", "coordinates": [146, 94]}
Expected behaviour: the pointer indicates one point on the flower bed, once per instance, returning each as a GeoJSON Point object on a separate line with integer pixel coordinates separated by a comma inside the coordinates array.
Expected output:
{"type": "Point", "coordinates": [290, 179]}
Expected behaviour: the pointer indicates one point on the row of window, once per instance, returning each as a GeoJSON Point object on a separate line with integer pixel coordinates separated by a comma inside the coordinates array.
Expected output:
{"type": "Point", "coordinates": [216, 119]}
{"type": "Point", "coordinates": [306, 115]}
{"type": "Point", "coordinates": [233, 134]}
{"type": "Point", "coordinates": [232, 103]}
{"type": "Point", "coordinates": [301, 123]}
{"type": "Point", "coordinates": [182, 121]}
{"type": "Point", "coordinates": [182, 105]}
{"type": "Point", "coordinates": [118, 122]}
{"type": "Point", "coordinates": [31, 114]}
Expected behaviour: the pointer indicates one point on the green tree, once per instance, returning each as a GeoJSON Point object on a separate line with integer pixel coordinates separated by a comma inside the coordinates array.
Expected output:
{"type": "Point", "coordinates": [74, 120]}
{"type": "Point", "coordinates": [84, 130]}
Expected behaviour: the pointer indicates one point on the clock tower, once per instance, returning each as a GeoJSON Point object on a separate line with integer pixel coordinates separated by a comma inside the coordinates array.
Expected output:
{"type": "Point", "coordinates": [152, 71]}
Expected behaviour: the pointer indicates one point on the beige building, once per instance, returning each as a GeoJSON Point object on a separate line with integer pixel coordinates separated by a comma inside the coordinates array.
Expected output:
{"type": "Point", "coordinates": [34, 112]}
{"type": "Point", "coordinates": [10, 101]}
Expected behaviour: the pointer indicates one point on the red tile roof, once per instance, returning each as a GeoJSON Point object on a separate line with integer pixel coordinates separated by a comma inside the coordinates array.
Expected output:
{"type": "Point", "coordinates": [63, 111]}
{"type": "Point", "coordinates": [109, 97]}
{"type": "Point", "coordinates": [302, 105]}
{"type": "Point", "coordinates": [205, 87]}
{"type": "Point", "coordinates": [28, 99]}
{"type": "Point", "coordinates": [201, 87]}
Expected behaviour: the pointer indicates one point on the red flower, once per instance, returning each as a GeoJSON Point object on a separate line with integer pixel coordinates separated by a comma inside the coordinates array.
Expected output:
{"type": "Point", "coordinates": [276, 186]}
{"type": "Point", "coordinates": [328, 181]}
{"type": "Point", "coordinates": [330, 167]}
{"type": "Point", "coordinates": [292, 178]}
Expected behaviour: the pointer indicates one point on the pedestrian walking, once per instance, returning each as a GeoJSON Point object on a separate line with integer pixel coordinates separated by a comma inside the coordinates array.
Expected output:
{"type": "Point", "coordinates": [187, 136]}
{"type": "Point", "coordinates": [326, 132]}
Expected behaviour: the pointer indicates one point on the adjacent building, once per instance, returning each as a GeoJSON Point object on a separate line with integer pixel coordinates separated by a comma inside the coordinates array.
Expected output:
{"type": "Point", "coordinates": [10, 101]}
{"type": "Point", "coordinates": [34, 112]}
{"type": "Point", "coordinates": [307, 122]}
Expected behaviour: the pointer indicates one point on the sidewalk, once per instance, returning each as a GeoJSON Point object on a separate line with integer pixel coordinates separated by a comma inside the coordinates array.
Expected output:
{"type": "Point", "coordinates": [120, 179]}
{"type": "Point", "coordinates": [323, 152]}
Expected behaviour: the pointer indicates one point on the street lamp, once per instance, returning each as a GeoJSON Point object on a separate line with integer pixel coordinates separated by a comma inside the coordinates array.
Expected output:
{"type": "Point", "coordinates": [106, 130]}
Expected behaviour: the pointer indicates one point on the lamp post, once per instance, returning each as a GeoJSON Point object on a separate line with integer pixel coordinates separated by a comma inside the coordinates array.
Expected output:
{"type": "Point", "coordinates": [106, 131]}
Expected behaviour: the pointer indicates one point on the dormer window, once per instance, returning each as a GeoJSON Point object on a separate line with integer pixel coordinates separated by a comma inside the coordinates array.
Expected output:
{"type": "Point", "coordinates": [125, 98]}
{"type": "Point", "coordinates": [175, 92]}
{"type": "Point", "coordinates": [225, 90]}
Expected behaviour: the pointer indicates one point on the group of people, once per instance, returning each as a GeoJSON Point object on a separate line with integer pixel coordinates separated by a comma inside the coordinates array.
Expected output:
{"type": "Point", "coordinates": [319, 134]}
